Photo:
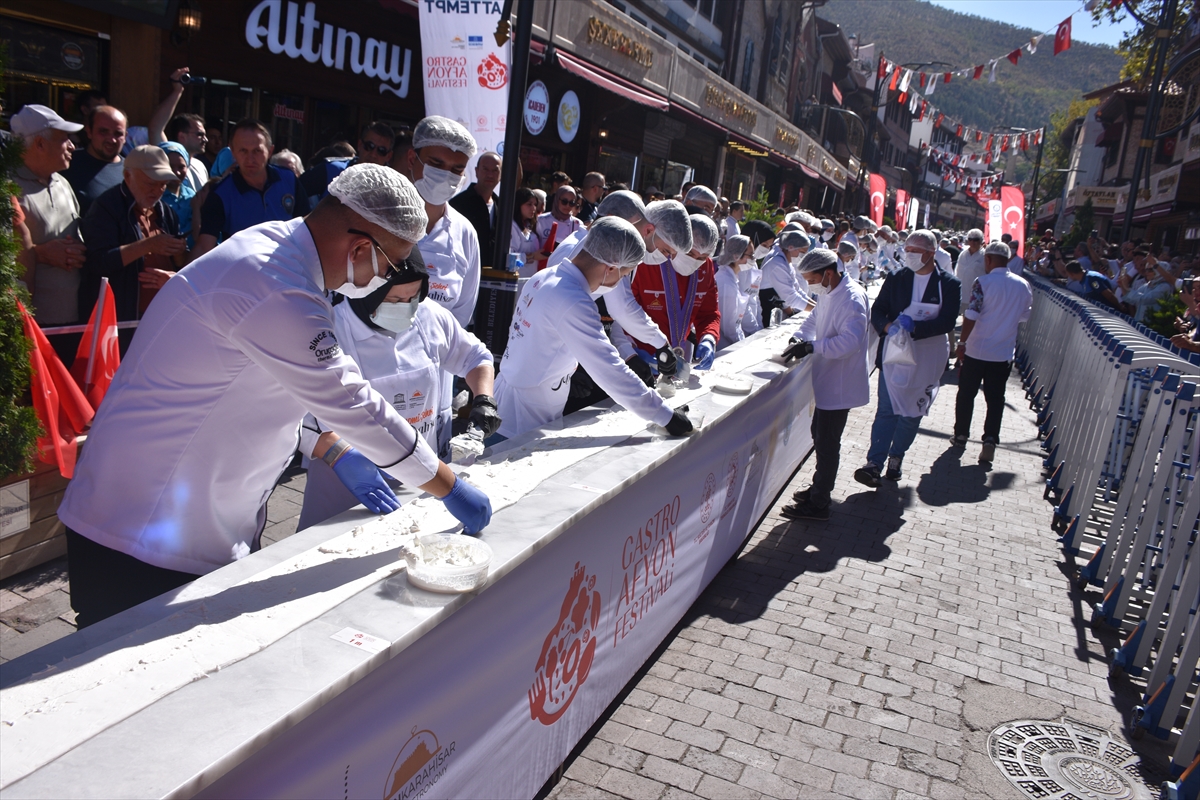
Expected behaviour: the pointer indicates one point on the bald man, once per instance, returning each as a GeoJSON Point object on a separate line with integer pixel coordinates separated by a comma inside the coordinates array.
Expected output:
{"type": "Point", "coordinates": [479, 204]}
{"type": "Point", "coordinates": [99, 166]}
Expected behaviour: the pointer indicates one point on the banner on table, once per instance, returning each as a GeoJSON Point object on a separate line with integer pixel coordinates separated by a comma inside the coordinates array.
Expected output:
{"type": "Point", "coordinates": [466, 74]}
{"type": "Point", "coordinates": [493, 699]}
{"type": "Point", "coordinates": [1012, 215]}
{"type": "Point", "coordinates": [878, 186]}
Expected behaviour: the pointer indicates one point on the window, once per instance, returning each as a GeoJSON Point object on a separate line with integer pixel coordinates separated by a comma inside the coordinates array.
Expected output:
{"type": "Point", "coordinates": [776, 44]}
{"type": "Point", "coordinates": [708, 9]}
{"type": "Point", "coordinates": [747, 66]}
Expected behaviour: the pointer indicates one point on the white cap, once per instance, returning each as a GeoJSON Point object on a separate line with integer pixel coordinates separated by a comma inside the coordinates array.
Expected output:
{"type": "Point", "coordinates": [701, 194]}
{"type": "Point", "coordinates": [382, 196]}
{"type": "Point", "coordinates": [34, 119]}
{"type": "Point", "coordinates": [444, 132]}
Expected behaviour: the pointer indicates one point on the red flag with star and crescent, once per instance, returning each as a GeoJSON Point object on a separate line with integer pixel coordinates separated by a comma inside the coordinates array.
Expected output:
{"type": "Point", "coordinates": [878, 185]}
{"type": "Point", "coordinates": [1062, 38]}
{"type": "Point", "coordinates": [1012, 214]}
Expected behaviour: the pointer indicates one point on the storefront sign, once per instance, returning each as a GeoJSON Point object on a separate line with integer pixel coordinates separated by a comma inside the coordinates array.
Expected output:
{"type": "Point", "coordinates": [608, 36]}
{"type": "Point", "coordinates": [537, 107]}
{"type": "Point", "coordinates": [786, 138]}
{"type": "Point", "coordinates": [302, 36]}
{"type": "Point", "coordinates": [294, 114]}
{"type": "Point", "coordinates": [568, 117]}
{"type": "Point", "coordinates": [1101, 196]}
{"type": "Point", "coordinates": [1191, 145]}
{"type": "Point", "coordinates": [730, 106]}
{"type": "Point", "coordinates": [1165, 185]}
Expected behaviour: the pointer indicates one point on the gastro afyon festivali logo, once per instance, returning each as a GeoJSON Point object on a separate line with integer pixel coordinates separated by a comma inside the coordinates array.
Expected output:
{"type": "Point", "coordinates": [493, 74]}
{"type": "Point", "coordinates": [421, 763]}
{"type": "Point", "coordinates": [568, 651]}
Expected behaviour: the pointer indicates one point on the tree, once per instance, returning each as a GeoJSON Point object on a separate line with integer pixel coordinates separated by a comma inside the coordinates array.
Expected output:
{"type": "Point", "coordinates": [1135, 46]}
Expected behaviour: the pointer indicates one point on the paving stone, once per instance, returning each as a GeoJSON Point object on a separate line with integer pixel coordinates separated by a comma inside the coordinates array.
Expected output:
{"type": "Point", "coordinates": [634, 787]}
{"type": "Point", "coordinates": [671, 772]}
{"type": "Point", "coordinates": [714, 788]}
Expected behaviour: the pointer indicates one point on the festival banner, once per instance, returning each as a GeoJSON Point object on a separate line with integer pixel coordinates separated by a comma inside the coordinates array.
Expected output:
{"type": "Point", "coordinates": [1012, 200]}
{"type": "Point", "coordinates": [994, 225]}
{"type": "Point", "coordinates": [901, 208]}
{"type": "Point", "coordinates": [878, 194]}
{"type": "Point", "coordinates": [466, 73]}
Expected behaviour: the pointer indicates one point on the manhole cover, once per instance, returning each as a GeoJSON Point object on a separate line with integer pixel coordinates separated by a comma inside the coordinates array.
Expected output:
{"type": "Point", "coordinates": [1067, 760]}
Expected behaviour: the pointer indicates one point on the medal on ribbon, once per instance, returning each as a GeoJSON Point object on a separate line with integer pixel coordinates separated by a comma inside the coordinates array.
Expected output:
{"type": "Point", "coordinates": [679, 310]}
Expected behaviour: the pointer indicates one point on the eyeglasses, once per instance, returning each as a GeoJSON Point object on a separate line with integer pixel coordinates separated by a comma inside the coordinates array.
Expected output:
{"type": "Point", "coordinates": [569, 203]}
{"type": "Point", "coordinates": [391, 265]}
{"type": "Point", "coordinates": [371, 147]}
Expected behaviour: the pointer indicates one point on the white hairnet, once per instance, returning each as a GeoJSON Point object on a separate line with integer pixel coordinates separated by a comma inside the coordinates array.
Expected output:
{"type": "Point", "coordinates": [817, 260]}
{"type": "Point", "coordinates": [922, 240]}
{"type": "Point", "coordinates": [613, 241]}
{"type": "Point", "coordinates": [862, 223]}
{"type": "Point", "coordinates": [804, 218]}
{"type": "Point", "coordinates": [998, 249]}
{"type": "Point", "coordinates": [701, 194]}
{"type": "Point", "coordinates": [382, 196]}
{"type": "Point", "coordinates": [735, 248]}
{"type": "Point", "coordinates": [827, 223]}
{"type": "Point", "coordinates": [671, 224]}
{"type": "Point", "coordinates": [790, 239]}
{"type": "Point", "coordinates": [975, 233]}
{"type": "Point", "coordinates": [704, 234]}
{"type": "Point", "coordinates": [624, 204]}
{"type": "Point", "coordinates": [444, 132]}
{"type": "Point", "coordinates": [845, 248]}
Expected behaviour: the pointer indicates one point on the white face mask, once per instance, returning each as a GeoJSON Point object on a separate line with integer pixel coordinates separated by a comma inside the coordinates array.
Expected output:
{"type": "Point", "coordinates": [685, 265]}
{"type": "Point", "coordinates": [437, 185]}
{"type": "Point", "coordinates": [396, 317]}
{"type": "Point", "coordinates": [654, 257]}
{"type": "Point", "coordinates": [826, 236]}
{"type": "Point", "coordinates": [914, 260]}
{"type": "Point", "coordinates": [795, 262]}
{"type": "Point", "coordinates": [349, 289]}
{"type": "Point", "coordinates": [761, 251]}
{"type": "Point", "coordinates": [602, 290]}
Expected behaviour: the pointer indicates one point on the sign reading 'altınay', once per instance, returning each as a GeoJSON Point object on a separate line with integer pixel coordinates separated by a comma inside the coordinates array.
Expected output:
{"type": "Point", "coordinates": [332, 46]}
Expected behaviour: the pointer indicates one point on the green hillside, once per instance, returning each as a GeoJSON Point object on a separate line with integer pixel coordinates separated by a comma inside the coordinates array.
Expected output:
{"type": "Point", "coordinates": [1024, 95]}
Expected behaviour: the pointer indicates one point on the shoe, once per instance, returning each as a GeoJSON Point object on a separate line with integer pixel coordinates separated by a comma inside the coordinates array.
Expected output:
{"type": "Point", "coordinates": [960, 440]}
{"type": "Point", "coordinates": [987, 453]}
{"type": "Point", "coordinates": [801, 496]}
{"type": "Point", "coordinates": [805, 511]}
{"type": "Point", "coordinates": [868, 476]}
{"type": "Point", "coordinates": [893, 468]}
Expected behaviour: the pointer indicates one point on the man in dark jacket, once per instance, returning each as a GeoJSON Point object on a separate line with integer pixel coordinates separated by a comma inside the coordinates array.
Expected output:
{"type": "Point", "coordinates": [921, 301]}
{"type": "Point", "coordinates": [479, 204]}
{"type": "Point", "coordinates": [132, 238]}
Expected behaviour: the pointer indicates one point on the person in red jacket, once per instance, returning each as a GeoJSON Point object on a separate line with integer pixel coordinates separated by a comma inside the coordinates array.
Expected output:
{"type": "Point", "coordinates": [680, 295]}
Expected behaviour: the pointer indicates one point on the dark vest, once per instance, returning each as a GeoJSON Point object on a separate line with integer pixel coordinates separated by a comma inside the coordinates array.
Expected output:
{"type": "Point", "coordinates": [244, 209]}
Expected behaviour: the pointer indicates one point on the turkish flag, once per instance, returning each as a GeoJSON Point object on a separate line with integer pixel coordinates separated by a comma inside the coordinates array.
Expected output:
{"type": "Point", "coordinates": [895, 80]}
{"type": "Point", "coordinates": [958, 131]}
{"type": "Point", "coordinates": [1015, 55]}
{"type": "Point", "coordinates": [878, 186]}
{"type": "Point", "coordinates": [901, 208]}
{"type": "Point", "coordinates": [1062, 39]}
{"type": "Point", "coordinates": [946, 78]}
{"type": "Point", "coordinates": [978, 73]}
{"type": "Point", "coordinates": [922, 80]}
{"type": "Point", "coordinates": [937, 123]}
{"type": "Point", "coordinates": [1012, 200]}
{"type": "Point", "coordinates": [61, 408]}
{"type": "Point", "coordinates": [882, 69]}
{"type": "Point", "coordinates": [94, 374]}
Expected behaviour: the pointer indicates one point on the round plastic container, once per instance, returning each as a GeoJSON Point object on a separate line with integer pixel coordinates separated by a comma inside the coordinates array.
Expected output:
{"type": "Point", "coordinates": [450, 579]}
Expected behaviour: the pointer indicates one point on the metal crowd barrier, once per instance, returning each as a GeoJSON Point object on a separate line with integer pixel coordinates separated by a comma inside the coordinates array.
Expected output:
{"type": "Point", "coordinates": [1117, 411]}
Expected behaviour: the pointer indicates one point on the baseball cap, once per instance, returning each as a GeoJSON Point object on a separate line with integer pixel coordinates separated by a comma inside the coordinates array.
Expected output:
{"type": "Point", "coordinates": [34, 118]}
{"type": "Point", "coordinates": [152, 161]}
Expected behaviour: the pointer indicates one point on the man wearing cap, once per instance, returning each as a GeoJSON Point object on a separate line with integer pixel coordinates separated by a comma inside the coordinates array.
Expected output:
{"type": "Point", "coordinates": [204, 414]}
{"type": "Point", "coordinates": [1000, 301]}
{"type": "Point", "coordinates": [132, 238]}
{"type": "Point", "coordinates": [97, 168]}
{"type": "Point", "coordinates": [828, 231]}
{"type": "Point", "coordinates": [700, 200]}
{"type": "Point", "coordinates": [52, 217]}
{"type": "Point", "coordinates": [836, 338]}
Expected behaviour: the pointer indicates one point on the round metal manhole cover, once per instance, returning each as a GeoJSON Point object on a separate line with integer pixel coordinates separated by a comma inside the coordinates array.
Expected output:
{"type": "Point", "coordinates": [1067, 760]}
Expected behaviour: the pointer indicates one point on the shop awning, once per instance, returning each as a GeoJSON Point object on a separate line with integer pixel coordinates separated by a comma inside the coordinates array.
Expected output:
{"type": "Point", "coordinates": [810, 172]}
{"type": "Point", "coordinates": [609, 82]}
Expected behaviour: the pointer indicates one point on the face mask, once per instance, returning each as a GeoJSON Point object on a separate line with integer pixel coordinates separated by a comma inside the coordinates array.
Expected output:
{"type": "Point", "coordinates": [350, 290]}
{"type": "Point", "coordinates": [914, 260]}
{"type": "Point", "coordinates": [654, 257]}
{"type": "Point", "coordinates": [602, 290]}
{"type": "Point", "coordinates": [826, 236]}
{"type": "Point", "coordinates": [761, 251]}
{"type": "Point", "coordinates": [436, 185]}
{"type": "Point", "coordinates": [795, 262]}
{"type": "Point", "coordinates": [396, 317]}
{"type": "Point", "coordinates": [685, 265]}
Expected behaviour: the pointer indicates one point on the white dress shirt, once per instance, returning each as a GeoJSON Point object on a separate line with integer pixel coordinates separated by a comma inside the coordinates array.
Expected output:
{"type": "Point", "coordinates": [1000, 301]}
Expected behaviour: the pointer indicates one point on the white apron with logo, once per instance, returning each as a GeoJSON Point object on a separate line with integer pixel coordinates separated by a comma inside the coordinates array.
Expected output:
{"type": "Point", "coordinates": [526, 408]}
{"type": "Point", "coordinates": [913, 389]}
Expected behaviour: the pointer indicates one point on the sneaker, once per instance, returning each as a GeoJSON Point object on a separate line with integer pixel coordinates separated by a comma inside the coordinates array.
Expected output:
{"type": "Point", "coordinates": [960, 440]}
{"type": "Point", "coordinates": [868, 475]}
{"type": "Point", "coordinates": [805, 511]}
{"type": "Point", "coordinates": [893, 468]}
{"type": "Point", "coordinates": [987, 453]}
{"type": "Point", "coordinates": [801, 496]}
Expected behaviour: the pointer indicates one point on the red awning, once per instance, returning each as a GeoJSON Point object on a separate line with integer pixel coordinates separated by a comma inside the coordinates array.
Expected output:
{"type": "Point", "coordinates": [609, 82]}
{"type": "Point", "coordinates": [810, 172]}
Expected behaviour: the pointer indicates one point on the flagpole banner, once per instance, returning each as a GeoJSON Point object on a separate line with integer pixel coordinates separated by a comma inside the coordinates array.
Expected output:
{"type": "Point", "coordinates": [914, 209]}
{"type": "Point", "coordinates": [493, 699]}
{"type": "Point", "coordinates": [878, 185]}
{"type": "Point", "coordinates": [466, 73]}
{"type": "Point", "coordinates": [995, 221]}
{"type": "Point", "coordinates": [901, 208]}
{"type": "Point", "coordinates": [1012, 214]}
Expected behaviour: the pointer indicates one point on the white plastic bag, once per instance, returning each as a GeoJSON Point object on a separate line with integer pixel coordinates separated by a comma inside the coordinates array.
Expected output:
{"type": "Point", "coordinates": [898, 349]}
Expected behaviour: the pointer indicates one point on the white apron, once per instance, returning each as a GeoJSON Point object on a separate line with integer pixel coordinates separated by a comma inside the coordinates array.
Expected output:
{"type": "Point", "coordinates": [912, 389]}
{"type": "Point", "coordinates": [526, 408]}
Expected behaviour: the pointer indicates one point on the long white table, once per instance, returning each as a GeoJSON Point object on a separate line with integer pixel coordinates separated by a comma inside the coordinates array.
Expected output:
{"type": "Point", "coordinates": [251, 682]}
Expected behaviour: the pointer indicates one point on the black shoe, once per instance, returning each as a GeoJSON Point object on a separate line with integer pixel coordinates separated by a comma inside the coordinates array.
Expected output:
{"type": "Point", "coordinates": [988, 452]}
{"type": "Point", "coordinates": [801, 496]}
{"type": "Point", "coordinates": [868, 476]}
{"type": "Point", "coordinates": [893, 468]}
{"type": "Point", "coordinates": [960, 440]}
{"type": "Point", "coordinates": [805, 511]}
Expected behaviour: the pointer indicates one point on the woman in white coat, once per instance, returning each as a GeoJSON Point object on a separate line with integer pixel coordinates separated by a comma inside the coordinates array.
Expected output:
{"type": "Point", "coordinates": [404, 347]}
{"type": "Point", "coordinates": [737, 322]}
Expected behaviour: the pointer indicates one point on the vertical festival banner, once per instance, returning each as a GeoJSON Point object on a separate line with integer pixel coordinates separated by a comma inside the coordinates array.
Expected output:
{"type": "Point", "coordinates": [995, 225]}
{"type": "Point", "coordinates": [466, 73]}
{"type": "Point", "coordinates": [878, 193]}
{"type": "Point", "coordinates": [1012, 215]}
{"type": "Point", "coordinates": [901, 208]}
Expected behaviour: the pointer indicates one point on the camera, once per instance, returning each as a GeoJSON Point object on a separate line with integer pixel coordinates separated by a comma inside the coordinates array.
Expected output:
{"type": "Point", "coordinates": [187, 78]}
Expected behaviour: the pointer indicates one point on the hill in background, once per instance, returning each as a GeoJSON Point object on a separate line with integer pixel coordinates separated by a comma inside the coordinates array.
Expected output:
{"type": "Point", "coordinates": [1024, 95]}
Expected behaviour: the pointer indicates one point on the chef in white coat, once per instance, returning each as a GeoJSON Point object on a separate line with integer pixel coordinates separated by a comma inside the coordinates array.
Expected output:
{"type": "Point", "coordinates": [835, 337]}
{"type": "Point", "coordinates": [204, 413]}
{"type": "Point", "coordinates": [780, 285]}
{"type": "Point", "coordinates": [403, 344]}
{"type": "Point", "coordinates": [737, 322]}
{"type": "Point", "coordinates": [921, 300]}
{"type": "Point", "coordinates": [556, 327]}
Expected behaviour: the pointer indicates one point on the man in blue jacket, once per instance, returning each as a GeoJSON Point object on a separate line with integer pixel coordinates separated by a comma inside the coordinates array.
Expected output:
{"type": "Point", "coordinates": [921, 303]}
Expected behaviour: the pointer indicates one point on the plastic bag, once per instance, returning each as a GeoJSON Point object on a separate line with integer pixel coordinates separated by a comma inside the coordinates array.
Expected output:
{"type": "Point", "coordinates": [898, 349]}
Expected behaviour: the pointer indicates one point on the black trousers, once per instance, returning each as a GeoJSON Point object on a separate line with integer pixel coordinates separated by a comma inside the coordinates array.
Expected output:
{"type": "Point", "coordinates": [827, 427]}
{"type": "Point", "coordinates": [105, 582]}
{"type": "Point", "coordinates": [994, 377]}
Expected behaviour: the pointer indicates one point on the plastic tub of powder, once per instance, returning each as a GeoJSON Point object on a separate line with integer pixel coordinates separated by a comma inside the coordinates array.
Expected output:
{"type": "Point", "coordinates": [448, 562]}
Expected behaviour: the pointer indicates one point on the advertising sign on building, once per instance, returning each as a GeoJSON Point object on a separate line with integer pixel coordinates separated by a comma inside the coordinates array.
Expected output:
{"type": "Point", "coordinates": [568, 117]}
{"type": "Point", "coordinates": [537, 107]}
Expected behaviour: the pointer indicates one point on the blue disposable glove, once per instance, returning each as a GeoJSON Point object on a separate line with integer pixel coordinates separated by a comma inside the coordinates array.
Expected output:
{"type": "Point", "coordinates": [469, 506]}
{"type": "Point", "coordinates": [906, 322]}
{"type": "Point", "coordinates": [364, 481]}
{"type": "Point", "coordinates": [704, 355]}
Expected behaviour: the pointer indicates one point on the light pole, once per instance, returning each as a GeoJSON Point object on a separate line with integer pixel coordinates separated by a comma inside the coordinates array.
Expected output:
{"type": "Point", "coordinates": [1030, 202]}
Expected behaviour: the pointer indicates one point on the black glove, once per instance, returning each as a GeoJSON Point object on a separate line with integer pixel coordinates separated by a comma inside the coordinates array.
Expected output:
{"type": "Point", "coordinates": [797, 350]}
{"type": "Point", "coordinates": [668, 365]}
{"type": "Point", "coordinates": [641, 369]}
{"type": "Point", "coordinates": [484, 416]}
{"type": "Point", "coordinates": [679, 425]}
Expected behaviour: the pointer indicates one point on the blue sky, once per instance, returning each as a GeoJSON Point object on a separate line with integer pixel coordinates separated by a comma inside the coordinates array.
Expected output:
{"type": "Point", "coordinates": [1043, 15]}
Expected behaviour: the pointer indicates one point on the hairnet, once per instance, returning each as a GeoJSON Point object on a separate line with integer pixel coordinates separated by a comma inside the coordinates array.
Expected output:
{"type": "Point", "coordinates": [735, 248]}
{"type": "Point", "coordinates": [937, 235]}
{"type": "Point", "coordinates": [793, 238]}
{"type": "Point", "coordinates": [827, 223]}
{"type": "Point", "coordinates": [671, 224]}
{"type": "Point", "coordinates": [817, 259]}
{"type": "Point", "coordinates": [613, 241]}
{"type": "Point", "coordinates": [704, 234]}
{"type": "Point", "coordinates": [702, 194]}
{"type": "Point", "coordinates": [758, 231]}
{"type": "Point", "coordinates": [998, 249]}
{"type": "Point", "coordinates": [845, 248]}
{"type": "Point", "coordinates": [975, 233]}
{"type": "Point", "coordinates": [624, 204]}
{"type": "Point", "coordinates": [804, 218]}
{"type": "Point", "coordinates": [382, 196]}
{"type": "Point", "coordinates": [886, 229]}
{"type": "Point", "coordinates": [444, 132]}
{"type": "Point", "coordinates": [922, 240]}
{"type": "Point", "coordinates": [863, 224]}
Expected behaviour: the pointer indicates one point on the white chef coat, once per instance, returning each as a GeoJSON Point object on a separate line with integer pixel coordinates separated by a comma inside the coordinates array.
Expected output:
{"type": "Point", "coordinates": [556, 327]}
{"type": "Point", "coordinates": [565, 228]}
{"type": "Point", "coordinates": [451, 252]}
{"type": "Point", "coordinates": [204, 413]}
{"type": "Point", "coordinates": [970, 266]}
{"type": "Point", "coordinates": [837, 329]}
{"type": "Point", "coordinates": [778, 274]}
{"type": "Point", "coordinates": [732, 302]}
{"type": "Point", "coordinates": [1000, 302]}
{"type": "Point", "coordinates": [853, 267]}
{"type": "Point", "coordinates": [749, 280]}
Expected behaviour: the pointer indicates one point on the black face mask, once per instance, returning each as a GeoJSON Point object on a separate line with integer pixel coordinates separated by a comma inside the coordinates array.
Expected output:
{"type": "Point", "coordinates": [410, 270]}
